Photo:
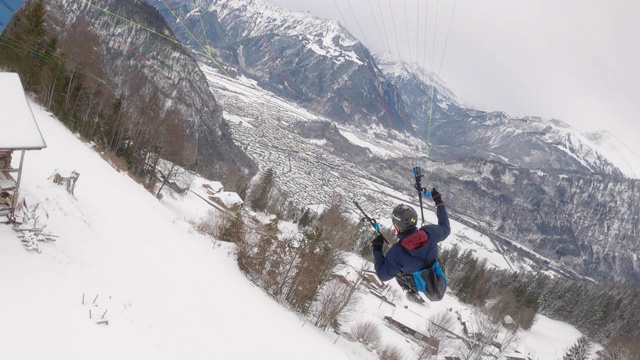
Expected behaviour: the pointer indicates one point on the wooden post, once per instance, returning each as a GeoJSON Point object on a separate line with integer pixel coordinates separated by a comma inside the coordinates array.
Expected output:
{"type": "Point", "coordinates": [14, 201]}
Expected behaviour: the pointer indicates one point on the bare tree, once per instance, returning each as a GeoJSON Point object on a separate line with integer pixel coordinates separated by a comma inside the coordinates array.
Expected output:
{"type": "Point", "coordinates": [480, 342]}
{"type": "Point", "coordinates": [319, 250]}
{"type": "Point", "coordinates": [394, 295]}
{"type": "Point", "coordinates": [366, 333]}
{"type": "Point", "coordinates": [253, 255]}
{"type": "Point", "coordinates": [231, 228]}
{"type": "Point", "coordinates": [438, 326]}
{"type": "Point", "coordinates": [166, 177]}
{"type": "Point", "coordinates": [335, 299]}
{"type": "Point", "coordinates": [206, 225]}
{"type": "Point", "coordinates": [390, 352]}
{"type": "Point", "coordinates": [620, 348]}
{"type": "Point", "coordinates": [508, 305]}
{"type": "Point", "coordinates": [277, 273]}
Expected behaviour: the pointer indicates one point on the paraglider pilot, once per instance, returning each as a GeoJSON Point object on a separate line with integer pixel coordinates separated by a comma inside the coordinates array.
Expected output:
{"type": "Point", "coordinates": [415, 251]}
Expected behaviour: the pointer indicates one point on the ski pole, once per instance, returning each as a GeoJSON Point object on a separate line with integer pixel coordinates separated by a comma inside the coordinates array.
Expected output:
{"type": "Point", "coordinates": [370, 220]}
{"type": "Point", "coordinates": [418, 173]}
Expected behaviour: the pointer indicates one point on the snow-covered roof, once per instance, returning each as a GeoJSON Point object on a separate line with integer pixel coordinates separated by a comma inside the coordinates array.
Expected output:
{"type": "Point", "coordinates": [409, 319]}
{"type": "Point", "coordinates": [18, 127]}
{"type": "Point", "coordinates": [213, 186]}
{"type": "Point", "coordinates": [515, 355]}
{"type": "Point", "coordinates": [465, 315]}
{"type": "Point", "coordinates": [509, 320]}
{"type": "Point", "coordinates": [229, 198]}
{"type": "Point", "coordinates": [205, 188]}
{"type": "Point", "coordinates": [372, 274]}
{"type": "Point", "coordinates": [347, 272]}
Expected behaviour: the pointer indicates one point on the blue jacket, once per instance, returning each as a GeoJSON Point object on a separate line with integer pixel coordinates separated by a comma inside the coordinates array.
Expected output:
{"type": "Point", "coordinates": [413, 250]}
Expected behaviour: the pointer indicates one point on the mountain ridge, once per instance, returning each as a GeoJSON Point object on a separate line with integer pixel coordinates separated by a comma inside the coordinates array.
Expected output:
{"type": "Point", "coordinates": [323, 67]}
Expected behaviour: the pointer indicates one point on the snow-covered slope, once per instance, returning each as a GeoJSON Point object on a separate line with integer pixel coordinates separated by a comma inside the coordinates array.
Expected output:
{"type": "Point", "coordinates": [167, 292]}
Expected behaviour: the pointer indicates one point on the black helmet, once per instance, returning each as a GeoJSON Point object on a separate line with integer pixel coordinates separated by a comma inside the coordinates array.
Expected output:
{"type": "Point", "coordinates": [404, 218]}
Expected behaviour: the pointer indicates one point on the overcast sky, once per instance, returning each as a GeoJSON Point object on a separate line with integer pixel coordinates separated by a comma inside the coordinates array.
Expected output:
{"type": "Point", "coordinates": [573, 60]}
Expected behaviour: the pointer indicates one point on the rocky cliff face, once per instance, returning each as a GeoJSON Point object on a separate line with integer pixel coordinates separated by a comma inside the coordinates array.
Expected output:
{"type": "Point", "coordinates": [588, 221]}
{"type": "Point", "coordinates": [313, 62]}
{"type": "Point", "coordinates": [141, 58]}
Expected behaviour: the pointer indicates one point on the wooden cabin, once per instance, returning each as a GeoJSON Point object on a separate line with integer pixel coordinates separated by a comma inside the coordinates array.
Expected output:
{"type": "Point", "coordinates": [19, 132]}
{"type": "Point", "coordinates": [415, 325]}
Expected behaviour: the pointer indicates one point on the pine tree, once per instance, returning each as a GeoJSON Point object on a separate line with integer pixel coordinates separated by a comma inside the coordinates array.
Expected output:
{"type": "Point", "coordinates": [26, 48]}
{"type": "Point", "coordinates": [579, 350]}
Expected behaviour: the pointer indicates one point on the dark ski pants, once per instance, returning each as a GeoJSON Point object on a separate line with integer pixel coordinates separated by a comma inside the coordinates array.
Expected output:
{"type": "Point", "coordinates": [406, 282]}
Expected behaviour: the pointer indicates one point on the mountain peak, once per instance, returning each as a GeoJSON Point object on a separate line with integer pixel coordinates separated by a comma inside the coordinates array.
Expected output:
{"type": "Point", "coordinates": [393, 66]}
{"type": "Point", "coordinates": [268, 18]}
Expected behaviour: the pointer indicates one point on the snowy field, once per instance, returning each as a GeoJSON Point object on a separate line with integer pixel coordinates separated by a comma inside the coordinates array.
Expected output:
{"type": "Point", "coordinates": [167, 291]}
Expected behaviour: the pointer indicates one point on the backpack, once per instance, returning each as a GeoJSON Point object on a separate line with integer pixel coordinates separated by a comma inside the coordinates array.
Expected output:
{"type": "Point", "coordinates": [431, 281]}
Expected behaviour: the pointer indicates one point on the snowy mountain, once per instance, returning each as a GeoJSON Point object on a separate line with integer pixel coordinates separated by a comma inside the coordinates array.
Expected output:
{"type": "Point", "coordinates": [423, 93]}
{"type": "Point", "coordinates": [167, 291]}
{"type": "Point", "coordinates": [458, 131]}
{"type": "Point", "coordinates": [314, 62]}
{"type": "Point", "coordinates": [615, 151]}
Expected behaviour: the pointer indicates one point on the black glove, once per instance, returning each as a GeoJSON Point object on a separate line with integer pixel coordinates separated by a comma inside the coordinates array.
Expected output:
{"type": "Point", "coordinates": [436, 196]}
{"type": "Point", "coordinates": [377, 242]}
